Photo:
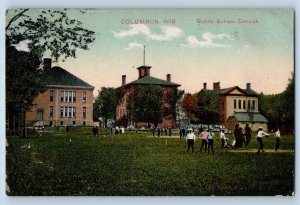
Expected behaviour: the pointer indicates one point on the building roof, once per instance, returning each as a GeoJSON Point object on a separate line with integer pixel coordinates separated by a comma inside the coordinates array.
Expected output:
{"type": "Point", "coordinates": [245, 117]}
{"type": "Point", "coordinates": [225, 91]}
{"type": "Point", "coordinates": [251, 92]}
{"type": "Point", "coordinates": [57, 77]}
{"type": "Point", "coordinates": [149, 80]}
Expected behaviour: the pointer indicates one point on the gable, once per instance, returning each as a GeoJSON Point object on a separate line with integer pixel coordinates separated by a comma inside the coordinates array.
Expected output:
{"type": "Point", "coordinates": [235, 92]}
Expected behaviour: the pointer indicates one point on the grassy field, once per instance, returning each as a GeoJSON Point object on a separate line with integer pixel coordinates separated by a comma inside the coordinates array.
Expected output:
{"type": "Point", "coordinates": [137, 164]}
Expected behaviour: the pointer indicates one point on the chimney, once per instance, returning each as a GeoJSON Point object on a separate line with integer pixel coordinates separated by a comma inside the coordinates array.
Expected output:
{"type": "Point", "coordinates": [204, 86]}
{"type": "Point", "coordinates": [217, 86]}
{"type": "Point", "coordinates": [123, 79]}
{"type": "Point", "coordinates": [248, 85]}
{"type": "Point", "coordinates": [169, 77]}
{"type": "Point", "coordinates": [47, 63]}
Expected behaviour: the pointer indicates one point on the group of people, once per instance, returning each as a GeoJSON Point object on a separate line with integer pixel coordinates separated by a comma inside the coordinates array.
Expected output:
{"type": "Point", "coordinates": [162, 132]}
{"type": "Point", "coordinates": [242, 138]}
{"type": "Point", "coordinates": [207, 140]}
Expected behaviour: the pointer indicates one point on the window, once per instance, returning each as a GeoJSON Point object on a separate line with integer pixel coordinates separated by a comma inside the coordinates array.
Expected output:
{"type": "Point", "coordinates": [51, 123]}
{"type": "Point", "coordinates": [84, 96]}
{"type": "Point", "coordinates": [62, 96]}
{"type": "Point", "coordinates": [74, 111]}
{"type": "Point", "coordinates": [74, 96]}
{"type": "Point", "coordinates": [66, 96]}
{"type": "Point", "coordinates": [61, 123]}
{"type": "Point", "coordinates": [70, 112]}
{"type": "Point", "coordinates": [74, 122]}
{"type": "Point", "coordinates": [83, 123]}
{"type": "Point", "coordinates": [234, 104]}
{"type": "Point", "coordinates": [61, 111]}
{"type": "Point", "coordinates": [253, 104]}
{"type": "Point", "coordinates": [248, 107]}
{"type": "Point", "coordinates": [84, 112]}
{"type": "Point", "coordinates": [244, 104]}
{"type": "Point", "coordinates": [51, 111]}
{"type": "Point", "coordinates": [51, 95]}
{"type": "Point", "coordinates": [70, 96]}
{"type": "Point", "coordinates": [66, 112]}
{"type": "Point", "coordinates": [240, 104]}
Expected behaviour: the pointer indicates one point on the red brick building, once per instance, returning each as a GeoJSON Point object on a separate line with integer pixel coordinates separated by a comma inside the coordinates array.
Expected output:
{"type": "Point", "coordinates": [68, 100]}
{"type": "Point", "coordinates": [237, 105]}
{"type": "Point", "coordinates": [144, 79]}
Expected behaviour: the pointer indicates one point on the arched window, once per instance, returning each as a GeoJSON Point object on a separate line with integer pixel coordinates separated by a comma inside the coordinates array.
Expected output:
{"type": "Point", "coordinates": [234, 104]}
{"type": "Point", "coordinates": [244, 104]}
{"type": "Point", "coordinates": [240, 104]}
{"type": "Point", "coordinates": [248, 106]}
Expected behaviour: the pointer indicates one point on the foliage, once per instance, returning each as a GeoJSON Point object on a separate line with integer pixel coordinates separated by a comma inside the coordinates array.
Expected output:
{"type": "Point", "coordinates": [48, 30]}
{"type": "Point", "coordinates": [189, 105]}
{"type": "Point", "coordinates": [279, 108]}
{"type": "Point", "coordinates": [24, 82]}
{"type": "Point", "coordinates": [170, 100]}
{"type": "Point", "coordinates": [145, 104]}
{"type": "Point", "coordinates": [208, 104]}
{"type": "Point", "coordinates": [202, 107]}
{"type": "Point", "coordinates": [105, 104]}
{"type": "Point", "coordinates": [133, 164]}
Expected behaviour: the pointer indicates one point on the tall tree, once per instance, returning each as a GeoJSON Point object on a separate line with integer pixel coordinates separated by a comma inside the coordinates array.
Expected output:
{"type": "Point", "coordinates": [24, 81]}
{"type": "Point", "coordinates": [171, 98]}
{"type": "Point", "coordinates": [202, 107]}
{"type": "Point", "coordinates": [47, 30]}
{"type": "Point", "coordinates": [189, 105]}
{"type": "Point", "coordinates": [145, 104]}
{"type": "Point", "coordinates": [105, 104]}
{"type": "Point", "coordinates": [279, 109]}
{"type": "Point", "coordinates": [208, 107]}
{"type": "Point", "coordinates": [43, 30]}
{"type": "Point", "coordinates": [289, 104]}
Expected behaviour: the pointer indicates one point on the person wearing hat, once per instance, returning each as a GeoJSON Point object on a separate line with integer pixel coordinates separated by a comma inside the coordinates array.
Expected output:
{"type": "Point", "coordinates": [190, 138]}
{"type": "Point", "coordinates": [203, 136]}
{"type": "Point", "coordinates": [259, 138]}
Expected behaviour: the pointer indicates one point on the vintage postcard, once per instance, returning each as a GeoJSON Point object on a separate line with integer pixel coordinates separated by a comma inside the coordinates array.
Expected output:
{"type": "Point", "coordinates": [150, 102]}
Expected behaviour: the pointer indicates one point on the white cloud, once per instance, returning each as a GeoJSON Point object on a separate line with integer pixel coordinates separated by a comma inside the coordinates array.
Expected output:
{"type": "Point", "coordinates": [22, 45]}
{"type": "Point", "coordinates": [208, 41]}
{"type": "Point", "coordinates": [246, 46]}
{"type": "Point", "coordinates": [133, 46]}
{"type": "Point", "coordinates": [167, 32]}
{"type": "Point", "coordinates": [135, 30]}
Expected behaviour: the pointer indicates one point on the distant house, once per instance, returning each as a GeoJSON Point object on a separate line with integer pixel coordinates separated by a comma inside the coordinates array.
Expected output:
{"type": "Point", "coordinates": [144, 79]}
{"type": "Point", "coordinates": [237, 105]}
{"type": "Point", "coordinates": [67, 101]}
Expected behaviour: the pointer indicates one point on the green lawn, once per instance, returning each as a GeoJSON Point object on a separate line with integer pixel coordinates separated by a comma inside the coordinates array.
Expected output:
{"type": "Point", "coordinates": [138, 164]}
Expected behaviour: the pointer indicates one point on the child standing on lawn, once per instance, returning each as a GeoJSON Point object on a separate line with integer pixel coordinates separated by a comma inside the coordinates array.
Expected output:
{"type": "Point", "coordinates": [203, 136]}
{"type": "Point", "coordinates": [190, 138]}
{"type": "Point", "coordinates": [277, 138]}
{"type": "Point", "coordinates": [210, 142]}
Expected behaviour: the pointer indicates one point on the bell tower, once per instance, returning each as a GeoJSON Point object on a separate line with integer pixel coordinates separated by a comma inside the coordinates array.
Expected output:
{"type": "Point", "coordinates": [144, 70]}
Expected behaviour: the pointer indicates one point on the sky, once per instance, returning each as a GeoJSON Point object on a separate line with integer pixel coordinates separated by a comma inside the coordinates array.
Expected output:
{"type": "Point", "coordinates": [233, 47]}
